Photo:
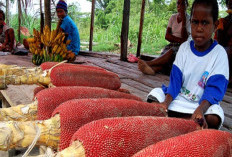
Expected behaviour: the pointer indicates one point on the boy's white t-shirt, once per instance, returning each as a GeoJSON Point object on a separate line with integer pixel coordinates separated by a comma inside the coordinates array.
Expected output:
{"type": "Point", "coordinates": [197, 68]}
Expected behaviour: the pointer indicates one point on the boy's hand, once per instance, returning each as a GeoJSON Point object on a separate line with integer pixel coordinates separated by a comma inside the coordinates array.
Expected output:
{"type": "Point", "coordinates": [199, 118]}
{"type": "Point", "coordinates": [165, 106]}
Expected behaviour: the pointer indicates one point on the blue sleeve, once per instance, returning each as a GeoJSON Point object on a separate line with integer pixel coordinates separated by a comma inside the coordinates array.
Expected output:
{"type": "Point", "coordinates": [175, 82]}
{"type": "Point", "coordinates": [215, 89]}
{"type": "Point", "coordinates": [64, 26]}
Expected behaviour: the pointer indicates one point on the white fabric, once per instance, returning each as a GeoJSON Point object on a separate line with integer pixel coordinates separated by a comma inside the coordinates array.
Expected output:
{"type": "Point", "coordinates": [4, 53]}
{"type": "Point", "coordinates": [158, 94]}
{"type": "Point", "coordinates": [176, 27]}
{"type": "Point", "coordinates": [217, 110]}
{"type": "Point", "coordinates": [213, 109]}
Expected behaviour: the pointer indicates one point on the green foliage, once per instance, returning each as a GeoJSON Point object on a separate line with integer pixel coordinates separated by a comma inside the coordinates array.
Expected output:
{"type": "Point", "coordinates": [108, 24]}
{"type": "Point", "coordinates": [30, 23]}
{"type": "Point", "coordinates": [74, 11]}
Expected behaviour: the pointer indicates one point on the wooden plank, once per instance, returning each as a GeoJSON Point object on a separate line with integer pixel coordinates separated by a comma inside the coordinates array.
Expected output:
{"type": "Point", "coordinates": [129, 73]}
{"type": "Point", "coordinates": [227, 108]}
{"type": "Point", "coordinates": [228, 123]}
{"type": "Point", "coordinates": [229, 90]}
{"type": "Point", "coordinates": [134, 67]}
{"type": "Point", "coordinates": [135, 91]}
{"type": "Point", "coordinates": [225, 129]}
{"type": "Point", "coordinates": [117, 61]}
{"type": "Point", "coordinates": [6, 99]}
{"type": "Point", "coordinates": [227, 99]}
{"type": "Point", "coordinates": [97, 54]}
{"type": "Point", "coordinates": [228, 93]}
{"type": "Point", "coordinates": [137, 85]}
{"type": "Point", "coordinates": [20, 94]}
{"type": "Point", "coordinates": [17, 60]}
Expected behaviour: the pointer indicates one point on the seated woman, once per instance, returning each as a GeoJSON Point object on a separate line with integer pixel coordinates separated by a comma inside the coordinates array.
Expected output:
{"type": "Point", "coordinates": [7, 37]}
{"type": "Point", "coordinates": [177, 32]}
{"type": "Point", "coordinates": [223, 35]}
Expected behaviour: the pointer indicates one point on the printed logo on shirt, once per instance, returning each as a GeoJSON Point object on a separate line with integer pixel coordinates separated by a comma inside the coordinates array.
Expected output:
{"type": "Point", "coordinates": [188, 95]}
{"type": "Point", "coordinates": [202, 81]}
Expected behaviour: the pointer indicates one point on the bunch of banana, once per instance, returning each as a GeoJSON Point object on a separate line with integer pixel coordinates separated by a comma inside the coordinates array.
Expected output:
{"type": "Point", "coordinates": [49, 46]}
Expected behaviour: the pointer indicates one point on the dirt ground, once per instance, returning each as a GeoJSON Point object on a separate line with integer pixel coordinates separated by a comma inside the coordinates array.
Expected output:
{"type": "Point", "coordinates": [3, 154]}
{"type": "Point", "coordinates": [17, 60]}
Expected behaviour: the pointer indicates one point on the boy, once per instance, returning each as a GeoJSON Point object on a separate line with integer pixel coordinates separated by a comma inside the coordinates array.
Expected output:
{"type": "Point", "coordinates": [68, 26]}
{"type": "Point", "coordinates": [200, 73]}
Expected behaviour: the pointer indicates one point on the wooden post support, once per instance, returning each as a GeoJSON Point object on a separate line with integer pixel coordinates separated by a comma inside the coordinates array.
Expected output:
{"type": "Point", "coordinates": [141, 28]}
{"type": "Point", "coordinates": [47, 10]}
{"type": "Point", "coordinates": [41, 17]}
{"type": "Point", "coordinates": [7, 12]}
{"type": "Point", "coordinates": [19, 18]}
{"type": "Point", "coordinates": [125, 30]}
{"type": "Point", "coordinates": [91, 26]}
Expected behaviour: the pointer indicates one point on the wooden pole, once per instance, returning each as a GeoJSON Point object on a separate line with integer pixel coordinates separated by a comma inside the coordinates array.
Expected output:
{"type": "Point", "coordinates": [141, 28]}
{"type": "Point", "coordinates": [47, 10]}
{"type": "Point", "coordinates": [7, 12]}
{"type": "Point", "coordinates": [41, 17]}
{"type": "Point", "coordinates": [19, 18]}
{"type": "Point", "coordinates": [125, 30]}
{"type": "Point", "coordinates": [91, 26]}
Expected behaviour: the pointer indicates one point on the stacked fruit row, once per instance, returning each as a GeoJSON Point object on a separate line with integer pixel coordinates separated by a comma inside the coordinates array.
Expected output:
{"type": "Point", "coordinates": [49, 46]}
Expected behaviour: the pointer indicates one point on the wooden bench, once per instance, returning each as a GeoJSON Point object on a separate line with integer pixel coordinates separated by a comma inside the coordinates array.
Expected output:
{"type": "Point", "coordinates": [15, 95]}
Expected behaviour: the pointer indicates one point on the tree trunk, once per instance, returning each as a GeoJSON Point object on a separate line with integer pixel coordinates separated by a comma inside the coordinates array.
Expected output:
{"type": "Point", "coordinates": [47, 10]}
{"type": "Point", "coordinates": [125, 30]}
{"type": "Point", "coordinates": [91, 26]}
{"type": "Point", "coordinates": [7, 12]}
{"type": "Point", "coordinates": [41, 17]}
{"type": "Point", "coordinates": [141, 28]}
{"type": "Point", "coordinates": [19, 18]}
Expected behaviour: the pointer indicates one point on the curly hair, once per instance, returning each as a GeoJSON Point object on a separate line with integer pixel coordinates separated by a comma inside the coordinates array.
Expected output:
{"type": "Point", "coordinates": [3, 14]}
{"type": "Point", "coordinates": [212, 3]}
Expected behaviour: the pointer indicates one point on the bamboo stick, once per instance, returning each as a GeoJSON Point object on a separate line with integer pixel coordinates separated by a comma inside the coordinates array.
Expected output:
{"type": "Point", "coordinates": [17, 70]}
{"type": "Point", "coordinates": [43, 79]}
{"type": "Point", "coordinates": [21, 134]}
{"type": "Point", "coordinates": [20, 112]}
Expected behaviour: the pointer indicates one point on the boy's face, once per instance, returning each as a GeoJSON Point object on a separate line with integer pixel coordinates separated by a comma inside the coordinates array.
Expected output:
{"type": "Point", "coordinates": [60, 13]}
{"type": "Point", "coordinates": [202, 26]}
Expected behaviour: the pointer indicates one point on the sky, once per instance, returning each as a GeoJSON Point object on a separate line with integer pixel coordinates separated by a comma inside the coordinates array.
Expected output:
{"type": "Point", "coordinates": [85, 6]}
